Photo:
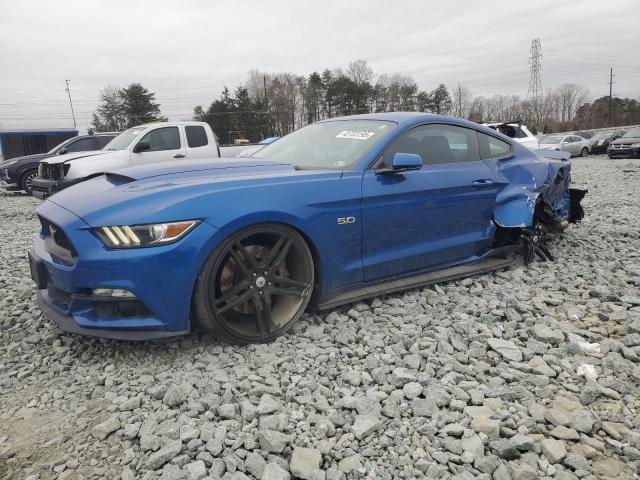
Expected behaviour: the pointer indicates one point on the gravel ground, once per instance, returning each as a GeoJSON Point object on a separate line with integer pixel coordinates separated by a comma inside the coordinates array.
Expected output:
{"type": "Point", "coordinates": [526, 373]}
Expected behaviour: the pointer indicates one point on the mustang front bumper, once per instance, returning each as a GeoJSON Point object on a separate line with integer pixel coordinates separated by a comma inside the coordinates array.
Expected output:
{"type": "Point", "coordinates": [160, 280]}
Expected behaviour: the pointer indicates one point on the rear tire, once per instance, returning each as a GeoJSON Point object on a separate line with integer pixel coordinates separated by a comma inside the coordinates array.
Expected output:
{"type": "Point", "coordinates": [26, 180]}
{"type": "Point", "coordinates": [255, 285]}
{"type": "Point", "coordinates": [584, 152]}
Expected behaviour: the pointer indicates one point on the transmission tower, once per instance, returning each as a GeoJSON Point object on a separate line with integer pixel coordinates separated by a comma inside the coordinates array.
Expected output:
{"type": "Point", "coordinates": [535, 66]}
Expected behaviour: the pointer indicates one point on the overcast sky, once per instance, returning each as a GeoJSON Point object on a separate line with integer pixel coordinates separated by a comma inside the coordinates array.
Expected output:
{"type": "Point", "coordinates": [187, 51]}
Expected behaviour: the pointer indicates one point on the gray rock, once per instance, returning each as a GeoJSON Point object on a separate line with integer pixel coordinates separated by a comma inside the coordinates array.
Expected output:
{"type": "Point", "coordinates": [196, 470]}
{"type": "Point", "coordinates": [255, 464]}
{"type": "Point", "coordinates": [507, 349]}
{"type": "Point", "coordinates": [174, 396]}
{"type": "Point", "coordinates": [165, 454]}
{"type": "Point", "coordinates": [304, 461]}
{"type": "Point", "coordinates": [350, 464]}
{"type": "Point", "coordinates": [553, 450]}
{"type": "Point", "coordinates": [268, 404]}
{"type": "Point", "coordinates": [364, 425]}
{"type": "Point", "coordinates": [424, 407]}
{"type": "Point", "coordinates": [102, 430]}
{"type": "Point", "coordinates": [273, 471]}
{"type": "Point", "coordinates": [505, 449]}
{"type": "Point", "coordinates": [272, 441]}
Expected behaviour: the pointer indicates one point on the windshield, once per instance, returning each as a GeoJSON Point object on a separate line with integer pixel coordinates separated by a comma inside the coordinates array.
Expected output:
{"type": "Point", "coordinates": [634, 132]}
{"type": "Point", "coordinates": [123, 140]}
{"type": "Point", "coordinates": [338, 144]}
{"type": "Point", "coordinates": [551, 139]}
{"type": "Point", "coordinates": [601, 136]}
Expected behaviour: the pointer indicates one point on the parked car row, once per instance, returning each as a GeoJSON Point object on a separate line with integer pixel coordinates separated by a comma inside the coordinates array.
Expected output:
{"type": "Point", "coordinates": [19, 172]}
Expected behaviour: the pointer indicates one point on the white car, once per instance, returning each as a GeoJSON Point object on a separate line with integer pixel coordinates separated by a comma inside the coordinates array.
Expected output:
{"type": "Point", "coordinates": [574, 144]}
{"type": "Point", "coordinates": [520, 133]}
{"type": "Point", "coordinates": [150, 143]}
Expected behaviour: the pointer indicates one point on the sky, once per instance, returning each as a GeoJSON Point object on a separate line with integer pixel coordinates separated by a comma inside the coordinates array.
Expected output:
{"type": "Point", "coordinates": [186, 51]}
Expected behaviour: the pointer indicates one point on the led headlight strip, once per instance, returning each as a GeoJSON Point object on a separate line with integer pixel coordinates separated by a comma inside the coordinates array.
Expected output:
{"type": "Point", "coordinates": [125, 236]}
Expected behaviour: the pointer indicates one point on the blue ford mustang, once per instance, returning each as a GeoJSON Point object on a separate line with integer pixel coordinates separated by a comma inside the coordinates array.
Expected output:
{"type": "Point", "coordinates": [335, 212]}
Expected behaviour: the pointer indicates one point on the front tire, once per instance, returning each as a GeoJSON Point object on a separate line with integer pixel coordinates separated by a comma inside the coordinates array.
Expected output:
{"type": "Point", "coordinates": [255, 285]}
{"type": "Point", "coordinates": [26, 181]}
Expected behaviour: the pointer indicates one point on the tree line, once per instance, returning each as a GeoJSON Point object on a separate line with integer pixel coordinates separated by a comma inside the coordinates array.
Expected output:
{"type": "Point", "coordinates": [274, 104]}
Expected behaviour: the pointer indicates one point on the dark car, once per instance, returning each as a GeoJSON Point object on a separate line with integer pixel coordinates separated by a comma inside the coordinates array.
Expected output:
{"type": "Point", "coordinates": [19, 172]}
{"type": "Point", "coordinates": [584, 134]}
{"type": "Point", "coordinates": [601, 140]}
{"type": "Point", "coordinates": [628, 145]}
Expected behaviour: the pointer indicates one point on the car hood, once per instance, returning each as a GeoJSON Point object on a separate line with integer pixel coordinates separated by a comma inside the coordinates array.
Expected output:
{"type": "Point", "coordinates": [29, 158]}
{"type": "Point", "coordinates": [68, 157]}
{"type": "Point", "coordinates": [549, 145]}
{"type": "Point", "coordinates": [621, 140]}
{"type": "Point", "coordinates": [162, 192]}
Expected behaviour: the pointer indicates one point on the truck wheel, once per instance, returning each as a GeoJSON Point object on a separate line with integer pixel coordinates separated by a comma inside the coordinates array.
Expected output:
{"type": "Point", "coordinates": [255, 285]}
{"type": "Point", "coordinates": [26, 181]}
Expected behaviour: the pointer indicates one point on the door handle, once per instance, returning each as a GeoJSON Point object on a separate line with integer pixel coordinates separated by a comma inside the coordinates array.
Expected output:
{"type": "Point", "coordinates": [482, 182]}
{"type": "Point", "coordinates": [179, 155]}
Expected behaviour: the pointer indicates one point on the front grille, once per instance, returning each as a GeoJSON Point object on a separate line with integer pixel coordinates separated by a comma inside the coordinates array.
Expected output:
{"type": "Point", "coordinates": [620, 146]}
{"type": "Point", "coordinates": [52, 171]}
{"type": "Point", "coordinates": [56, 241]}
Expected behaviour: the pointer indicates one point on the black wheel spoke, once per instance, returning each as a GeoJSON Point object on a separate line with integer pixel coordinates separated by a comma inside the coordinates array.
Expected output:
{"type": "Point", "coordinates": [243, 258]}
{"type": "Point", "coordinates": [262, 304]}
{"type": "Point", "coordinates": [278, 253]}
{"type": "Point", "coordinates": [233, 297]}
{"type": "Point", "coordinates": [290, 284]}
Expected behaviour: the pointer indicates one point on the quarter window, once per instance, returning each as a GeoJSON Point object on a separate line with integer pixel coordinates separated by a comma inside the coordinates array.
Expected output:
{"type": "Point", "coordinates": [436, 144]}
{"type": "Point", "coordinates": [167, 138]}
{"type": "Point", "coordinates": [196, 136]}
{"type": "Point", "coordinates": [491, 147]}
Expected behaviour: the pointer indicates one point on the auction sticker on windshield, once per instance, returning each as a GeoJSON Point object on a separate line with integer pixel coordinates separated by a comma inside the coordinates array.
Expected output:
{"type": "Point", "coordinates": [355, 135]}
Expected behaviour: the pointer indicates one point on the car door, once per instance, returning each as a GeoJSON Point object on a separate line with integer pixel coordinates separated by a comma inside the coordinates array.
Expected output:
{"type": "Point", "coordinates": [165, 144]}
{"type": "Point", "coordinates": [437, 215]}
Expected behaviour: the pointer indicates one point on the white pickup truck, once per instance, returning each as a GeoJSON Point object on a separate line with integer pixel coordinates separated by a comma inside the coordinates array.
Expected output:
{"type": "Point", "coordinates": [151, 143]}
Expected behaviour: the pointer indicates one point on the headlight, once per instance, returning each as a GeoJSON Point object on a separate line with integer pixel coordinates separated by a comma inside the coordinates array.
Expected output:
{"type": "Point", "coordinates": [635, 145]}
{"type": "Point", "coordinates": [136, 236]}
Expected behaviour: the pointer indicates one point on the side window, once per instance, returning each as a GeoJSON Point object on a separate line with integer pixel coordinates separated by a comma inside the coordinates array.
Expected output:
{"type": "Point", "coordinates": [81, 145]}
{"type": "Point", "coordinates": [491, 147]}
{"type": "Point", "coordinates": [196, 136]}
{"type": "Point", "coordinates": [575, 139]}
{"type": "Point", "coordinates": [101, 141]}
{"type": "Point", "coordinates": [520, 133]}
{"type": "Point", "coordinates": [167, 138]}
{"type": "Point", "coordinates": [436, 144]}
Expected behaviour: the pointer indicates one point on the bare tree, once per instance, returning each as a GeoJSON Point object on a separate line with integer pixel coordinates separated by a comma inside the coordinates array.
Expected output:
{"type": "Point", "coordinates": [360, 72]}
{"type": "Point", "coordinates": [460, 101]}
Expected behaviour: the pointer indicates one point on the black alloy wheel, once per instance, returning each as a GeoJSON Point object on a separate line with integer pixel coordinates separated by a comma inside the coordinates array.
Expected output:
{"type": "Point", "coordinates": [26, 181]}
{"type": "Point", "coordinates": [255, 285]}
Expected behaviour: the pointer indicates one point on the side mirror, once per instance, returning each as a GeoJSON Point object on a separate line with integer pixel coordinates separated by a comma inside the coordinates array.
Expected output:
{"type": "Point", "coordinates": [407, 161]}
{"type": "Point", "coordinates": [402, 162]}
{"type": "Point", "coordinates": [142, 147]}
{"type": "Point", "coordinates": [62, 151]}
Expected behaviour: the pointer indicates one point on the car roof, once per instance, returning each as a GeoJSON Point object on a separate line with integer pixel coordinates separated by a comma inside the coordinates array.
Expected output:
{"type": "Point", "coordinates": [413, 118]}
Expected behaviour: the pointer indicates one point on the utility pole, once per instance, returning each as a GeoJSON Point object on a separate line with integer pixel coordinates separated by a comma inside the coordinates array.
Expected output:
{"type": "Point", "coordinates": [71, 103]}
{"type": "Point", "coordinates": [611, 82]}
{"type": "Point", "coordinates": [535, 79]}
